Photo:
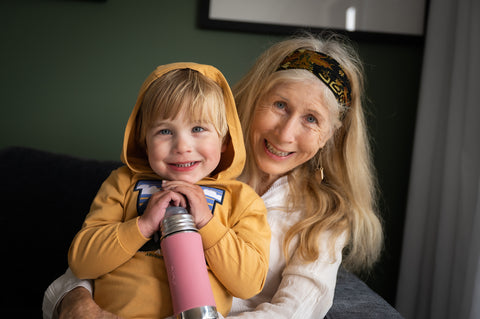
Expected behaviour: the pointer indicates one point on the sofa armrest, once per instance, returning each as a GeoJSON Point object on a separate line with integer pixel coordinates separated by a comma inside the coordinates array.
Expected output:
{"type": "Point", "coordinates": [354, 299]}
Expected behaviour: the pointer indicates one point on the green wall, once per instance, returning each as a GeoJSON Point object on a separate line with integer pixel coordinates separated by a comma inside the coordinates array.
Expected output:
{"type": "Point", "coordinates": [71, 70]}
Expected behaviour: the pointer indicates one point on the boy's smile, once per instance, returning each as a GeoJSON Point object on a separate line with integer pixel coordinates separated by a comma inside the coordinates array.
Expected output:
{"type": "Point", "coordinates": [182, 150]}
{"type": "Point", "coordinates": [184, 167]}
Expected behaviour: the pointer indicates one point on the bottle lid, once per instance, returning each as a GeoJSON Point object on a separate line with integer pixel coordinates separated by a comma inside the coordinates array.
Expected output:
{"type": "Point", "coordinates": [177, 219]}
{"type": "Point", "coordinates": [173, 210]}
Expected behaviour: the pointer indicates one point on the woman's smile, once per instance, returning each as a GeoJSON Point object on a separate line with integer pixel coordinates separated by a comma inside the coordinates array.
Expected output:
{"type": "Point", "coordinates": [290, 125]}
{"type": "Point", "coordinates": [270, 149]}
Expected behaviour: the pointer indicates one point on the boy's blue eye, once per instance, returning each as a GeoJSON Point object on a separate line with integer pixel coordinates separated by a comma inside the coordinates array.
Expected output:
{"type": "Point", "coordinates": [164, 131]}
{"type": "Point", "coordinates": [197, 129]}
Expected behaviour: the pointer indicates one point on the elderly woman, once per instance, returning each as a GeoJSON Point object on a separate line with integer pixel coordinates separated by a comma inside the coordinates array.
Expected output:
{"type": "Point", "coordinates": [308, 156]}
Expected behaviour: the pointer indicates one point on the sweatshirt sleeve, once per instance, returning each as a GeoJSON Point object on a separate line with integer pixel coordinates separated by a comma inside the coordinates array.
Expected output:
{"type": "Point", "coordinates": [305, 291]}
{"type": "Point", "coordinates": [238, 255]}
{"type": "Point", "coordinates": [106, 241]}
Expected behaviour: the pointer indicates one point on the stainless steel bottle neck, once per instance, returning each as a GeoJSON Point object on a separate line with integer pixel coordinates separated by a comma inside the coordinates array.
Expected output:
{"type": "Point", "coordinates": [176, 220]}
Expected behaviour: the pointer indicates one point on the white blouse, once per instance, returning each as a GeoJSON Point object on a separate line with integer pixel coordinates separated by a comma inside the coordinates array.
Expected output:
{"type": "Point", "coordinates": [298, 290]}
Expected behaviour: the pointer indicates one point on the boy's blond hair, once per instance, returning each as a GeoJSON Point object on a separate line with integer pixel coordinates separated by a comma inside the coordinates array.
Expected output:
{"type": "Point", "coordinates": [182, 91]}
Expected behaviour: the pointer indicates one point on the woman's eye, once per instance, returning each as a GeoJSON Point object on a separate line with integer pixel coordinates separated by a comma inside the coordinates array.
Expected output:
{"type": "Point", "coordinates": [280, 104]}
{"type": "Point", "coordinates": [198, 129]}
{"type": "Point", "coordinates": [311, 119]}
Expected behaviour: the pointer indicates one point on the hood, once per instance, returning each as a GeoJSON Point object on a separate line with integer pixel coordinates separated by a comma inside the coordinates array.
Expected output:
{"type": "Point", "coordinates": [232, 159]}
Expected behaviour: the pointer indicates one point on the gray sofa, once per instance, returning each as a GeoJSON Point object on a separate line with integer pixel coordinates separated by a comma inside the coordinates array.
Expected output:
{"type": "Point", "coordinates": [45, 197]}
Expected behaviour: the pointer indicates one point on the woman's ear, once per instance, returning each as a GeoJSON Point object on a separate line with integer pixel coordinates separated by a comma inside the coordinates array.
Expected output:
{"type": "Point", "coordinates": [327, 137]}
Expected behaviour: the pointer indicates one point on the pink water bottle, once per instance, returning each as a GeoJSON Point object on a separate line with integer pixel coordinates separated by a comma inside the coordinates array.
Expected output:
{"type": "Point", "coordinates": [182, 250]}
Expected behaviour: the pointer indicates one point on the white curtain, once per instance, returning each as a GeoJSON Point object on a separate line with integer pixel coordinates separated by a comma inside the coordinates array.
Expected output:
{"type": "Point", "coordinates": [440, 265]}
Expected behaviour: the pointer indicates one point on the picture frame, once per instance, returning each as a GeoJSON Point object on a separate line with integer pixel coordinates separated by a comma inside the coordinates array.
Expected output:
{"type": "Point", "coordinates": [380, 19]}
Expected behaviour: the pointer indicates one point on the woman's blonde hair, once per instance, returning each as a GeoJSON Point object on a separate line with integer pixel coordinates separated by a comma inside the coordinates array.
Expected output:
{"type": "Point", "coordinates": [345, 202]}
{"type": "Point", "coordinates": [182, 91]}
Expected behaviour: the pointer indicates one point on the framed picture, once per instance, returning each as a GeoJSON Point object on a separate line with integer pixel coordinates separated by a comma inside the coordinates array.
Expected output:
{"type": "Point", "coordinates": [384, 18]}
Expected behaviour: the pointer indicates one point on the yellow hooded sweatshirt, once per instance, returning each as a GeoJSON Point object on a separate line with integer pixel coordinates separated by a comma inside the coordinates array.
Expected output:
{"type": "Point", "coordinates": [129, 271]}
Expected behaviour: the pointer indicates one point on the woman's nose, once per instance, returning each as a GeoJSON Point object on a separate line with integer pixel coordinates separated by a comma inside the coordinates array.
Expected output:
{"type": "Point", "coordinates": [287, 130]}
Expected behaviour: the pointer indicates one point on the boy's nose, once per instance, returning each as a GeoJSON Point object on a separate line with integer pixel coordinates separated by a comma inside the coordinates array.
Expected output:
{"type": "Point", "coordinates": [182, 145]}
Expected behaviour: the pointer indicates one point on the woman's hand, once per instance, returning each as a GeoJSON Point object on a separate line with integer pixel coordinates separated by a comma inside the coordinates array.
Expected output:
{"type": "Point", "coordinates": [78, 304]}
{"type": "Point", "coordinates": [197, 203]}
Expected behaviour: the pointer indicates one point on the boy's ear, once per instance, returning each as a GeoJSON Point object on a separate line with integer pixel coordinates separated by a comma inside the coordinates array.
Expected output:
{"type": "Point", "coordinates": [225, 142]}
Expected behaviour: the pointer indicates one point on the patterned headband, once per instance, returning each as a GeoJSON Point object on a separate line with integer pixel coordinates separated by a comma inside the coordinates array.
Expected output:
{"type": "Point", "coordinates": [323, 67]}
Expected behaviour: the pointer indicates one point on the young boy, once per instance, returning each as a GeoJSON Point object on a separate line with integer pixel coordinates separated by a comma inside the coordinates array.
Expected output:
{"type": "Point", "coordinates": [182, 133]}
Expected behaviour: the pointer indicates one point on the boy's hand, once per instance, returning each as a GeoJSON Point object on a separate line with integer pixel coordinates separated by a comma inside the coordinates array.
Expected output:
{"type": "Point", "coordinates": [149, 222]}
{"type": "Point", "coordinates": [197, 203]}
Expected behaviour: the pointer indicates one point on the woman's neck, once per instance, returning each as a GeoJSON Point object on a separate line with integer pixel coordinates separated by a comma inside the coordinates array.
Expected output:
{"type": "Point", "coordinates": [265, 182]}
{"type": "Point", "coordinates": [259, 181]}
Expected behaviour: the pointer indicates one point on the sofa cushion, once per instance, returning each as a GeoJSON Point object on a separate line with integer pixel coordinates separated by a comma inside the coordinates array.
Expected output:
{"type": "Point", "coordinates": [45, 197]}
